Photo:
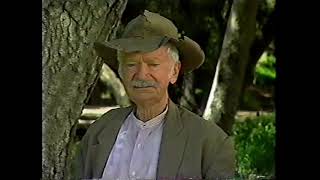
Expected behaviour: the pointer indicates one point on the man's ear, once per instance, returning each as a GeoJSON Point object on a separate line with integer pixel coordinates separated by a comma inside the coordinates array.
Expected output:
{"type": "Point", "coordinates": [175, 73]}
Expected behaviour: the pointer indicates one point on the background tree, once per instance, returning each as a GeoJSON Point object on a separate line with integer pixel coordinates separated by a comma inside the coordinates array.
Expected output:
{"type": "Point", "coordinates": [109, 77]}
{"type": "Point", "coordinates": [229, 76]}
{"type": "Point", "coordinates": [70, 70]}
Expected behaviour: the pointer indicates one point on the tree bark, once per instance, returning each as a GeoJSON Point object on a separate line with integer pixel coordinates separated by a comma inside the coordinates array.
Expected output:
{"type": "Point", "coordinates": [70, 70]}
{"type": "Point", "coordinates": [187, 99]}
{"type": "Point", "coordinates": [227, 84]}
{"type": "Point", "coordinates": [109, 78]}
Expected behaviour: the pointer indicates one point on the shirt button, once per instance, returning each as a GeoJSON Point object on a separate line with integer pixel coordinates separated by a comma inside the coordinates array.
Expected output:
{"type": "Point", "coordinates": [139, 146]}
{"type": "Point", "coordinates": [133, 173]}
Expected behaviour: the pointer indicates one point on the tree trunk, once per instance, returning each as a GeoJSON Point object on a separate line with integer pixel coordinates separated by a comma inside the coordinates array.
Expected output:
{"type": "Point", "coordinates": [70, 70]}
{"type": "Point", "coordinates": [260, 43]}
{"type": "Point", "coordinates": [187, 99]}
{"type": "Point", "coordinates": [109, 78]}
{"type": "Point", "coordinates": [227, 84]}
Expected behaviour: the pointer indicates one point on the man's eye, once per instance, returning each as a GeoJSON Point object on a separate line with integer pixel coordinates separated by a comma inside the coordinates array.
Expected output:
{"type": "Point", "coordinates": [131, 64]}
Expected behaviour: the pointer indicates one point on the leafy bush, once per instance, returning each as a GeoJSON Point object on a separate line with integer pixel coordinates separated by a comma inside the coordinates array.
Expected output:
{"type": "Point", "coordinates": [255, 146]}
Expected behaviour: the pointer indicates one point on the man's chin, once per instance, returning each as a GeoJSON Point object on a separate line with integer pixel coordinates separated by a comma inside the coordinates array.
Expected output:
{"type": "Point", "coordinates": [145, 97]}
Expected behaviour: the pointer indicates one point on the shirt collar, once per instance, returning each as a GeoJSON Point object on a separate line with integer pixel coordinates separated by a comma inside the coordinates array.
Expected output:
{"type": "Point", "coordinates": [152, 122]}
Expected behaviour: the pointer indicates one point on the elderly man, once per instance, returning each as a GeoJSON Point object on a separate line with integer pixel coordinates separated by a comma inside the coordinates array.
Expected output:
{"type": "Point", "coordinates": [154, 138]}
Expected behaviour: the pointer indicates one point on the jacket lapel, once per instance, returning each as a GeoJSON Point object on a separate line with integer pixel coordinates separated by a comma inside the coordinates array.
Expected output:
{"type": "Point", "coordinates": [172, 144]}
{"type": "Point", "coordinates": [106, 140]}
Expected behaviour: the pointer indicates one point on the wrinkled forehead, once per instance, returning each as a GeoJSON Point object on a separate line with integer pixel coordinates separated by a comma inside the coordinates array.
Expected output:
{"type": "Point", "coordinates": [161, 53]}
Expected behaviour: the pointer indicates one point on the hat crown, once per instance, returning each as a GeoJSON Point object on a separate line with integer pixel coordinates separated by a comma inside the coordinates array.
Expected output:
{"type": "Point", "coordinates": [150, 24]}
{"type": "Point", "coordinates": [148, 32]}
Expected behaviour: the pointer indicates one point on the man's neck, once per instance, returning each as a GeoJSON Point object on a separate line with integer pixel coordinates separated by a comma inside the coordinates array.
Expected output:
{"type": "Point", "coordinates": [145, 112]}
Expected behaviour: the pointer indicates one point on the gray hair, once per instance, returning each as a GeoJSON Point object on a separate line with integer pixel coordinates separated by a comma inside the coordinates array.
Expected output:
{"type": "Point", "coordinates": [172, 50]}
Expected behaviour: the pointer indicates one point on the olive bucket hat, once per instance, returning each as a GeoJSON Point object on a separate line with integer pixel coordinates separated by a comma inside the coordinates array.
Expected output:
{"type": "Point", "coordinates": [148, 32]}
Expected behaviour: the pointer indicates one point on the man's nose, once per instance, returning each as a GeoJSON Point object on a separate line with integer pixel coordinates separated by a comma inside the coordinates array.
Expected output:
{"type": "Point", "coordinates": [142, 71]}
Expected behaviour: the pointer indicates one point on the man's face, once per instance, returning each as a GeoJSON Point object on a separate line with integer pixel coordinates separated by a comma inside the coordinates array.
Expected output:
{"type": "Point", "coordinates": [146, 76]}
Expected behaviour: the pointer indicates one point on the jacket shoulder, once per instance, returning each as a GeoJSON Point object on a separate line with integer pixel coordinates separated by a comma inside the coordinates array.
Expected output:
{"type": "Point", "coordinates": [217, 149]}
{"type": "Point", "coordinates": [193, 121]}
{"type": "Point", "coordinates": [106, 118]}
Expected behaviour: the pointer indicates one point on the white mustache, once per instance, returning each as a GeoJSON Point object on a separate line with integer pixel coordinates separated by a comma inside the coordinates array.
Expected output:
{"type": "Point", "coordinates": [143, 83]}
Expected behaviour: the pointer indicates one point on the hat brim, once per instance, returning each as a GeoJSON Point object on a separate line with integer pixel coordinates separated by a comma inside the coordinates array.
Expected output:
{"type": "Point", "coordinates": [191, 55]}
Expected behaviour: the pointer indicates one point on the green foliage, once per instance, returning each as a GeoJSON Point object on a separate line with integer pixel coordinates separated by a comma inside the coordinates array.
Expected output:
{"type": "Point", "coordinates": [265, 73]}
{"type": "Point", "coordinates": [255, 143]}
{"type": "Point", "coordinates": [270, 4]}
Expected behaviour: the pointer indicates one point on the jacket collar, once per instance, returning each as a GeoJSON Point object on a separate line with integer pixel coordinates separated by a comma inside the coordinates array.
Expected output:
{"type": "Point", "coordinates": [106, 140]}
{"type": "Point", "coordinates": [172, 143]}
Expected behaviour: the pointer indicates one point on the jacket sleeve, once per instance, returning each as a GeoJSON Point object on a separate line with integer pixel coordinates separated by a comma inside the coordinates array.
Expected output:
{"type": "Point", "coordinates": [219, 159]}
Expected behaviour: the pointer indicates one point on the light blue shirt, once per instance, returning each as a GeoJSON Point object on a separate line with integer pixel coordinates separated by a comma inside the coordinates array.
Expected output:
{"type": "Point", "coordinates": [136, 150]}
